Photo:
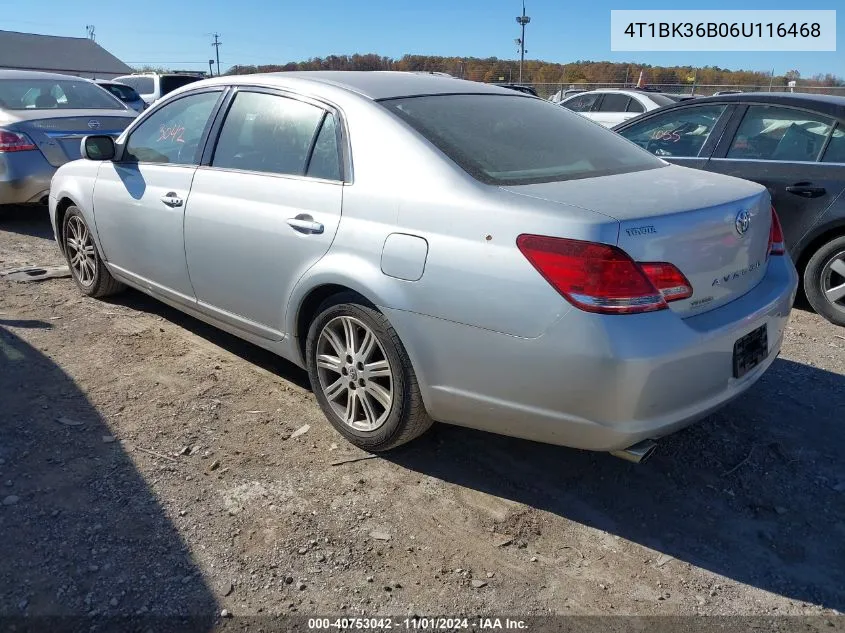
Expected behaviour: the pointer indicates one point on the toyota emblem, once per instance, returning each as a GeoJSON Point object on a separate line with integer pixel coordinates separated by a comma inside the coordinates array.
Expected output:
{"type": "Point", "coordinates": [94, 124]}
{"type": "Point", "coordinates": [743, 222]}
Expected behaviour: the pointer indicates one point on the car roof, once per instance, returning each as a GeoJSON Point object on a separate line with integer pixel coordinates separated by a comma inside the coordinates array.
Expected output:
{"type": "Point", "coordinates": [373, 85]}
{"type": "Point", "coordinates": [34, 74]}
{"type": "Point", "coordinates": [830, 105]}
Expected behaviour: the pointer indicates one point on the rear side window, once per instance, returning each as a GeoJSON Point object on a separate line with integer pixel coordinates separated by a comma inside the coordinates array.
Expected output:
{"type": "Point", "coordinates": [679, 132]}
{"type": "Point", "coordinates": [635, 106]}
{"type": "Point", "coordinates": [325, 159]}
{"type": "Point", "coordinates": [777, 133]}
{"type": "Point", "coordinates": [267, 133]}
{"type": "Point", "coordinates": [124, 93]}
{"type": "Point", "coordinates": [582, 103]}
{"type": "Point", "coordinates": [519, 140]}
{"type": "Point", "coordinates": [614, 102]}
{"type": "Point", "coordinates": [835, 152]}
{"type": "Point", "coordinates": [143, 85]}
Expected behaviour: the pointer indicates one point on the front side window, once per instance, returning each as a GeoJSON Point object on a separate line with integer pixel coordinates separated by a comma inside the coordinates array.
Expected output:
{"type": "Point", "coordinates": [777, 133]}
{"type": "Point", "coordinates": [835, 152]}
{"type": "Point", "coordinates": [53, 94]}
{"type": "Point", "coordinates": [267, 133]}
{"type": "Point", "coordinates": [614, 102]}
{"type": "Point", "coordinates": [680, 132]}
{"type": "Point", "coordinates": [517, 140]}
{"type": "Point", "coordinates": [172, 134]}
{"type": "Point", "coordinates": [582, 103]}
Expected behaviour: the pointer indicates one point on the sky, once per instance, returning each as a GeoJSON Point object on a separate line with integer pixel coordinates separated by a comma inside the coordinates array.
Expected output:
{"type": "Point", "coordinates": [178, 34]}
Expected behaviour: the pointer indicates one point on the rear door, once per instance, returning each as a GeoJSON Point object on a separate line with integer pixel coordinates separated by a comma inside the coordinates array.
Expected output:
{"type": "Point", "coordinates": [140, 200]}
{"type": "Point", "coordinates": [780, 148]}
{"type": "Point", "coordinates": [613, 109]}
{"type": "Point", "coordinates": [265, 207]}
{"type": "Point", "coordinates": [682, 135]}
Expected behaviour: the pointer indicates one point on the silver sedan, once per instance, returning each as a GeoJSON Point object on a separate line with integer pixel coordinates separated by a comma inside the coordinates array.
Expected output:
{"type": "Point", "coordinates": [437, 249]}
{"type": "Point", "coordinates": [43, 117]}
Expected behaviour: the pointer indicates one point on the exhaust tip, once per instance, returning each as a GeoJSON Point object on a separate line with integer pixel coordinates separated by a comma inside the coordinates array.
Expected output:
{"type": "Point", "coordinates": [636, 453]}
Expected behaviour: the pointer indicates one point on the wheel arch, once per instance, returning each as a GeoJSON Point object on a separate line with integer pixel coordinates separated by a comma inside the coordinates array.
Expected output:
{"type": "Point", "coordinates": [815, 241]}
{"type": "Point", "coordinates": [64, 203]}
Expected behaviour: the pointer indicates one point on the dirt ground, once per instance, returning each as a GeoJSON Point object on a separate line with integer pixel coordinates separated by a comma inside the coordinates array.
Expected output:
{"type": "Point", "coordinates": [150, 464]}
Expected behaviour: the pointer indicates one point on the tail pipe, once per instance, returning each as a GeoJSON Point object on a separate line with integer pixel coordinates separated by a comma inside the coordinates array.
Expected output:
{"type": "Point", "coordinates": [638, 452]}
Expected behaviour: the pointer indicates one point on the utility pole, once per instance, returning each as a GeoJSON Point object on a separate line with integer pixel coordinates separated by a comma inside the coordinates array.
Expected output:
{"type": "Point", "coordinates": [216, 44]}
{"type": "Point", "coordinates": [211, 68]}
{"type": "Point", "coordinates": [522, 20]}
{"type": "Point", "coordinates": [89, 28]}
{"type": "Point", "coordinates": [772, 80]}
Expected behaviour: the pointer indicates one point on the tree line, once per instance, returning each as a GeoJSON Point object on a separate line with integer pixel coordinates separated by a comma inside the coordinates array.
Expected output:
{"type": "Point", "coordinates": [492, 69]}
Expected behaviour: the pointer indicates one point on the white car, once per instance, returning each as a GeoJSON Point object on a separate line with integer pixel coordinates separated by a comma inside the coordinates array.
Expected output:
{"type": "Point", "coordinates": [153, 86]}
{"type": "Point", "coordinates": [612, 107]}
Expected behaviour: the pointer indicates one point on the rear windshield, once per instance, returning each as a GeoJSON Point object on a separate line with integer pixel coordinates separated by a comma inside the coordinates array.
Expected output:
{"type": "Point", "coordinates": [124, 93]}
{"type": "Point", "coordinates": [513, 140]}
{"type": "Point", "coordinates": [144, 85]}
{"type": "Point", "coordinates": [52, 94]}
{"type": "Point", "coordinates": [169, 83]}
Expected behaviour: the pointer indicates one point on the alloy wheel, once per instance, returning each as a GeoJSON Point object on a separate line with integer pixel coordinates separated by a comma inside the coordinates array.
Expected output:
{"type": "Point", "coordinates": [833, 281]}
{"type": "Point", "coordinates": [355, 373]}
{"type": "Point", "coordinates": [80, 250]}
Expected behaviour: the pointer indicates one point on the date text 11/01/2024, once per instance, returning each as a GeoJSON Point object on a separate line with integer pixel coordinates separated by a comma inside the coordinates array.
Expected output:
{"type": "Point", "coordinates": [417, 624]}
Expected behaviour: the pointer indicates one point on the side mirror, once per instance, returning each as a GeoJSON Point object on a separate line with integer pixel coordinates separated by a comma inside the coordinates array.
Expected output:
{"type": "Point", "coordinates": [98, 148]}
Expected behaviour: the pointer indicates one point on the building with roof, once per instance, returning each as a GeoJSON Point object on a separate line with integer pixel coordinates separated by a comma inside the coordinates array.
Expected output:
{"type": "Point", "coordinates": [78, 56]}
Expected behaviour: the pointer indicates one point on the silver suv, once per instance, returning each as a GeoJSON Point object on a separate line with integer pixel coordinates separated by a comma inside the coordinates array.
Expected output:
{"type": "Point", "coordinates": [153, 86]}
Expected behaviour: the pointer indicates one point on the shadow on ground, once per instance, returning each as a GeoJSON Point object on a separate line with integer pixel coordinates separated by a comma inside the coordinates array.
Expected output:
{"type": "Point", "coordinates": [756, 493]}
{"type": "Point", "coordinates": [84, 538]}
{"type": "Point", "coordinates": [247, 351]}
{"type": "Point", "coordinates": [32, 220]}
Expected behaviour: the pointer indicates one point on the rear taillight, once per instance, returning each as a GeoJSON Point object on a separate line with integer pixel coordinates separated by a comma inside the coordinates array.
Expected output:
{"type": "Point", "coordinates": [603, 278]}
{"type": "Point", "coordinates": [15, 142]}
{"type": "Point", "coordinates": [670, 281]}
{"type": "Point", "coordinates": [776, 245]}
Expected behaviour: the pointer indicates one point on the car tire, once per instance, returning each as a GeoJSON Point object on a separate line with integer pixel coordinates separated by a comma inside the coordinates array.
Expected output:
{"type": "Point", "coordinates": [825, 271]}
{"type": "Point", "coordinates": [86, 266]}
{"type": "Point", "coordinates": [377, 405]}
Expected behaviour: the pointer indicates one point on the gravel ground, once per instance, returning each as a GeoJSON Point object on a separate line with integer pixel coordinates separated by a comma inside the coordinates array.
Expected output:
{"type": "Point", "coordinates": [150, 464]}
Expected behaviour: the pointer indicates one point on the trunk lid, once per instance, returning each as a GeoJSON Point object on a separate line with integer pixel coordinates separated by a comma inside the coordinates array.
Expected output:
{"type": "Point", "coordinates": [59, 138]}
{"type": "Point", "coordinates": [714, 229]}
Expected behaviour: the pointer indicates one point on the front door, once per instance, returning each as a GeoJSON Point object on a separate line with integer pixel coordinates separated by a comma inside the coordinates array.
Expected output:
{"type": "Point", "coordinates": [780, 148]}
{"type": "Point", "coordinates": [265, 209]}
{"type": "Point", "coordinates": [140, 199]}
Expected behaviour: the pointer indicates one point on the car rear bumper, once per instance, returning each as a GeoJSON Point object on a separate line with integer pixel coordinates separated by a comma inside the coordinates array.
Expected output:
{"type": "Point", "coordinates": [24, 177]}
{"type": "Point", "coordinates": [598, 382]}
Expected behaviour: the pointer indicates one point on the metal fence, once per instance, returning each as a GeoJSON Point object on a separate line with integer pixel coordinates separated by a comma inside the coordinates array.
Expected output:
{"type": "Point", "coordinates": [546, 90]}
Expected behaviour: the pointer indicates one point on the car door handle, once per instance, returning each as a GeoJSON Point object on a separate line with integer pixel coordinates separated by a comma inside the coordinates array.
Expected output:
{"type": "Point", "coordinates": [305, 224]}
{"type": "Point", "coordinates": [171, 199]}
{"type": "Point", "coordinates": [806, 189]}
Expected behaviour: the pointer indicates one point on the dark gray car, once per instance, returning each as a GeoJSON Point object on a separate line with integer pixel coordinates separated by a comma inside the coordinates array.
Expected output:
{"type": "Point", "coordinates": [794, 145]}
{"type": "Point", "coordinates": [43, 118]}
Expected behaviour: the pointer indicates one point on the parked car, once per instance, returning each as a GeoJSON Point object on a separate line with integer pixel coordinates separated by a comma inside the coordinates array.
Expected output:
{"type": "Point", "coordinates": [43, 118]}
{"type": "Point", "coordinates": [560, 95]}
{"type": "Point", "coordinates": [791, 143]}
{"type": "Point", "coordinates": [153, 86]}
{"type": "Point", "coordinates": [611, 107]}
{"type": "Point", "coordinates": [434, 249]}
{"type": "Point", "coordinates": [125, 93]}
